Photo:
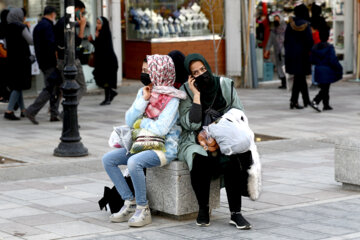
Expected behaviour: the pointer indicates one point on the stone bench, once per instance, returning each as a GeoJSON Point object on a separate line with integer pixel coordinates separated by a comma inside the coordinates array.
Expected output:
{"type": "Point", "coordinates": [169, 191]}
{"type": "Point", "coordinates": [347, 163]}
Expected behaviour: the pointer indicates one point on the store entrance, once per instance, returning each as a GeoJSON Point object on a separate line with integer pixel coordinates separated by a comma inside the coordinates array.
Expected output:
{"type": "Point", "coordinates": [270, 38]}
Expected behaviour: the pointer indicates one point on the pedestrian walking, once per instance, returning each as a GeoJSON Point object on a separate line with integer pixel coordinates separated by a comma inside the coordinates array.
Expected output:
{"type": "Point", "coordinates": [298, 44]}
{"type": "Point", "coordinates": [208, 95]}
{"type": "Point", "coordinates": [45, 50]}
{"type": "Point", "coordinates": [60, 45]}
{"type": "Point", "coordinates": [178, 59]}
{"type": "Point", "coordinates": [317, 22]}
{"type": "Point", "coordinates": [18, 39]}
{"type": "Point", "coordinates": [276, 40]}
{"type": "Point", "coordinates": [106, 64]}
{"type": "Point", "coordinates": [153, 115]}
{"type": "Point", "coordinates": [4, 91]}
{"type": "Point", "coordinates": [327, 68]}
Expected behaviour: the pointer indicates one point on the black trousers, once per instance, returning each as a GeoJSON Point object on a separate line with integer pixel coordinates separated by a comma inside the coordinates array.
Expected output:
{"type": "Point", "coordinates": [300, 85]}
{"type": "Point", "coordinates": [323, 94]}
{"type": "Point", "coordinates": [201, 174]}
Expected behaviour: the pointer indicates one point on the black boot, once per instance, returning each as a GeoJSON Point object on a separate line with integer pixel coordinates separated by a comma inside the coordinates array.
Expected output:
{"type": "Point", "coordinates": [283, 83]}
{"type": "Point", "coordinates": [107, 100]}
{"type": "Point", "coordinates": [11, 116]}
{"type": "Point", "coordinates": [112, 94]}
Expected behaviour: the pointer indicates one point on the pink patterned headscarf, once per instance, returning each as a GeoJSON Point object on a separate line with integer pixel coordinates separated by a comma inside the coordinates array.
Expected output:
{"type": "Point", "coordinates": [162, 75]}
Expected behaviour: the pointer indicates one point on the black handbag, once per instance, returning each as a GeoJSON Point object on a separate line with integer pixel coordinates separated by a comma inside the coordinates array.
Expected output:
{"type": "Point", "coordinates": [113, 199]}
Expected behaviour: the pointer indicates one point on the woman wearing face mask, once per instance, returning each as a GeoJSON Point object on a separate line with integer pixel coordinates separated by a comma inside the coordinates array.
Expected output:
{"type": "Point", "coordinates": [106, 64]}
{"type": "Point", "coordinates": [18, 39]}
{"type": "Point", "coordinates": [276, 40]}
{"type": "Point", "coordinates": [208, 93]}
{"type": "Point", "coordinates": [156, 107]}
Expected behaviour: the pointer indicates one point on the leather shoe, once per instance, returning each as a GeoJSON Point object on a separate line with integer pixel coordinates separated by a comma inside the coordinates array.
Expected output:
{"type": "Point", "coordinates": [295, 105]}
{"type": "Point", "coordinates": [54, 119]}
{"type": "Point", "coordinates": [31, 118]}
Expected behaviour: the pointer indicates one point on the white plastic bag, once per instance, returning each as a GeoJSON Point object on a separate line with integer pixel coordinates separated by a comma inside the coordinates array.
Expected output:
{"type": "Point", "coordinates": [232, 132]}
{"type": "Point", "coordinates": [121, 137]}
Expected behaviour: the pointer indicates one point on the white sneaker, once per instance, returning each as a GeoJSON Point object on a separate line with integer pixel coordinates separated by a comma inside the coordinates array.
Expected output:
{"type": "Point", "coordinates": [125, 212]}
{"type": "Point", "coordinates": [141, 217]}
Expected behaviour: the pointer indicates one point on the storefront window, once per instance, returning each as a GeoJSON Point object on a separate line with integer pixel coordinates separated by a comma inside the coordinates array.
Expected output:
{"type": "Point", "coordinates": [148, 19]}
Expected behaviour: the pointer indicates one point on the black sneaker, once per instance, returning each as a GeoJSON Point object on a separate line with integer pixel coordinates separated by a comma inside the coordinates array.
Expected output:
{"type": "Point", "coordinates": [203, 218]}
{"type": "Point", "coordinates": [314, 105]}
{"type": "Point", "coordinates": [239, 221]}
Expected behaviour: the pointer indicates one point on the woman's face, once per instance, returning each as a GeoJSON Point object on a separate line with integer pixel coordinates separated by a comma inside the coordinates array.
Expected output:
{"type": "Point", "coordinates": [197, 68]}
{"type": "Point", "coordinates": [144, 68]}
{"type": "Point", "coordinates": [98, 25]}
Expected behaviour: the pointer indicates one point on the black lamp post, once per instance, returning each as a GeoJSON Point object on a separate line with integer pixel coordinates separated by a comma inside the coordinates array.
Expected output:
{"type": "Point", "coordinates": [70, 145]}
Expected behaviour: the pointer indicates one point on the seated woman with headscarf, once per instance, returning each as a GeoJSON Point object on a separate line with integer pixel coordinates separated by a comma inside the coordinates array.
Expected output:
{"type": "Point", "coordinates": [207, 94]}
{"type": "Point", "coordinates": [154, 110]}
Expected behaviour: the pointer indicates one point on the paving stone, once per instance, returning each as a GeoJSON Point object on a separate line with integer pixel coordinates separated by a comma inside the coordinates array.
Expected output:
{"type": "Point", "coordinates": [30, 194]}
{"type": "Point", "coordinates": [47, 236]}
{"type": "Point", "coordinates": [19, 212]}
{"type": "Point", "coordinates": [58, 201]}
{"type": "Point", "coordinates": [20, 230]}
{"type": "Point", "coordinates": [71, 229]}
{"type": "Point", "coordinates": [296, 233]}
{"type": "Point", "coordinates": [159, 235]}
{"type": "Point", "coordinates": [326, 229]}
{"type": "Point", "coordinates": [42, 219]}
{"type": "Point", "coordinates": [189, 231]}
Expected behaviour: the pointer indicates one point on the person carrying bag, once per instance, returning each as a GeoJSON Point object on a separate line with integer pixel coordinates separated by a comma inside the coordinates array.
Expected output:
{"type": "Point", "coordinates": [209, 97]}
{"type": "Point", "coordinates": [155, 111]}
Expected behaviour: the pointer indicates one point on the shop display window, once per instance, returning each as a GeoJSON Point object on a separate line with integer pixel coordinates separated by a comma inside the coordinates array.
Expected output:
{"type": "Point", "coordinates": [148, 19]}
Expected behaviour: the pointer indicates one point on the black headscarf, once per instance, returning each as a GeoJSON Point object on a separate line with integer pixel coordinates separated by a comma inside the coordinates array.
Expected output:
{"type": "Point", "coordinates": [3, 23]}
{"type": "Point", "coordinates": [302, 12]}
{"type": "Point", "coordinates": [212, 93]}
{"type": "Point", "coordinates": [104, 49]}
{"type": "Point", "coordinates": [317, 21]}
{"type": "Point", "coordinates": [181, 73]}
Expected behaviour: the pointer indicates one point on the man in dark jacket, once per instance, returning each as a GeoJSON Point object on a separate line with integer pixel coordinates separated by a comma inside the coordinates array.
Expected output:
{"type": "Point", "coordinates": [60, 44]}
{"type": "Point", "coordinates": [298, 44]}
{"type": "Point", "coordinates": [44, 42]}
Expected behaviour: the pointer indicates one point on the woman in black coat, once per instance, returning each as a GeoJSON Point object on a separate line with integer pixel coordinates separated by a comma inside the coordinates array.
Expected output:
{"type": "Point", "coordinates": [106, 64]}
{"type": "Point", "coordinates": [4, 92]}
{"type": "Point", "coordinates": [298, 44]}
{"type": "Point", "coordinates": [18, 39]}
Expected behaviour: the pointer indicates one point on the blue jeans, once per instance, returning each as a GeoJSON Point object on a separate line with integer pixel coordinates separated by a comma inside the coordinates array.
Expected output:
{"type": "Point", "coordinates": [135, 163]}
{"type": "Point", "coordinates": [16, 97]}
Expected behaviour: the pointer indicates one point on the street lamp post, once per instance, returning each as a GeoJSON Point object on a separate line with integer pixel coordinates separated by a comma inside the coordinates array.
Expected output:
{"type": "Point", "coordinates": [70, 145]}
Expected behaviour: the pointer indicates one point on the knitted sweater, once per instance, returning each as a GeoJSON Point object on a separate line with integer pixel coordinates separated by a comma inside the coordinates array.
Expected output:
{"type": "Point", "coordinates": [164, 125]}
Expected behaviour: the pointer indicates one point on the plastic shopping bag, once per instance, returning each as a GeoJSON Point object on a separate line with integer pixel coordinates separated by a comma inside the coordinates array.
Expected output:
{"type": "Point", "coordinates": [121, 137]}
{"type": "Point", "coordinates": [232, 133]}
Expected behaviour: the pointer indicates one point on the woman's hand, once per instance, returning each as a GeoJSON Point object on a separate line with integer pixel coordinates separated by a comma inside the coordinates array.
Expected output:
{"type": "Point", "coordinates": [90, 38]}
{"type": "Point", "coordinates": [146, 93]}
{"type": "Point", "coordinates": [191, 81]}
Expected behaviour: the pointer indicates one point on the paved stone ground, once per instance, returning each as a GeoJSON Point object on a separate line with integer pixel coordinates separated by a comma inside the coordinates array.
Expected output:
{"type": "Point", "coordinates": [47, 197]}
